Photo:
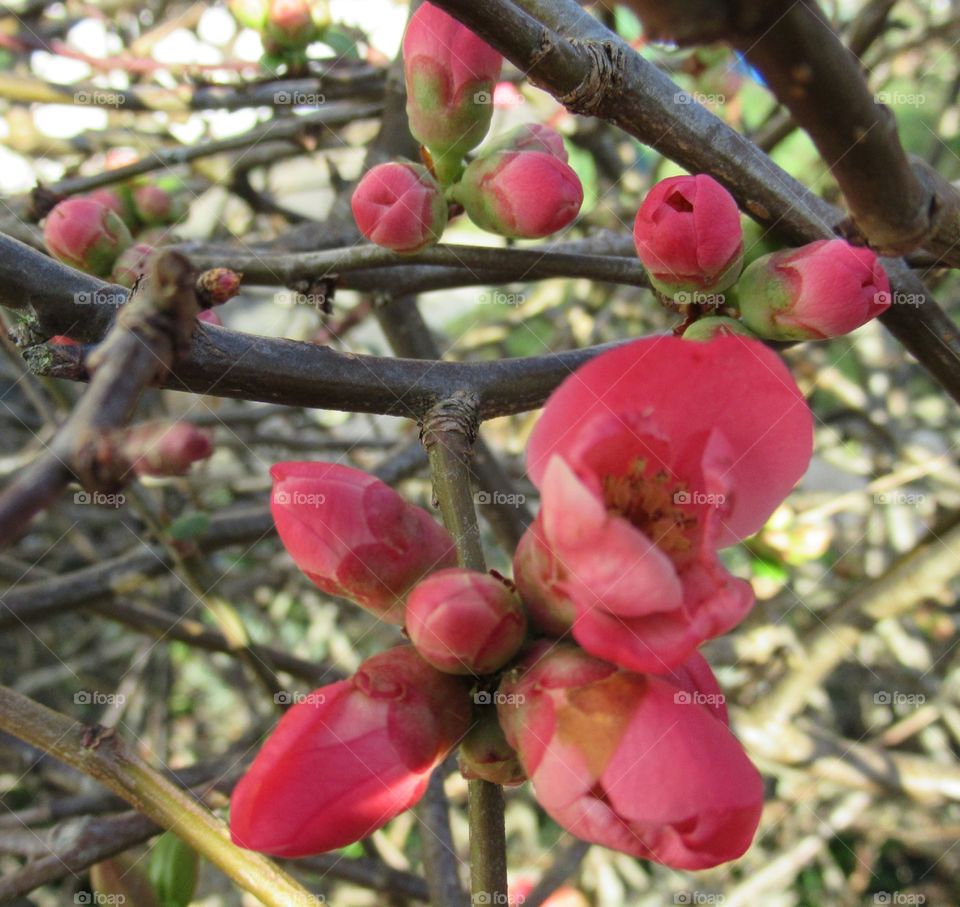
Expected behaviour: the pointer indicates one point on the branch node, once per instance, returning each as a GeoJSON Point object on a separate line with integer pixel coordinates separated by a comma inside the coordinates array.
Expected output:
{"type": "Point", "coordinates": [604, 79]}
{"type": "Point", "coordinates": [458, 414]}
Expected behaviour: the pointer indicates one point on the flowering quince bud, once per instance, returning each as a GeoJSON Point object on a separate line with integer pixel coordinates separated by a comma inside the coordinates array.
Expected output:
{"type": "Point", "coordinates": [716, 326]}
{"type": "Point", "coordinates": [208, 316]}
{"type": "Point", "coordinates": [400, 206]}
{"type": "Point", "coordinates": [132, 264]}
{"type": "Point", "coordinates": [85, 235]}
{"type": "Point", "coordinates": [356, 537]}
{"type": "Point", "coordinates": [120, 201]}
{"type": "Point", "coordinates": [485, 754]}
{"type": "Point", "coordinates": [537, 576]}
{"type": "Point", "coordinates": [465, 622]}
{"type": "Point", "coordinates": [531, 137]}
{"type": "Point", "coordinates": [688, 235]}
{"type": "Point", "coordinates": [164, 449]}
{"type": "Point", "coordinates": [156, 207]}
{"type": "Point", "coordinates": [645, 468]}
{"type": "Point", "coordinates": [523, 194]}
{"type": "Point", "coordinates": [349, 757]}
{"type": "Point", "coordinates": [296, 23]}
{"type": "Point", "coordinates": [564, 896]}
{"type": "Point", "coordinates": [824, 289]}
{"type": "Point", "coordinates": [450, 75]}
{"type": "Point", "coordinates": [632, 762]}
{"type": "Point", "coordinates": [251, 13]}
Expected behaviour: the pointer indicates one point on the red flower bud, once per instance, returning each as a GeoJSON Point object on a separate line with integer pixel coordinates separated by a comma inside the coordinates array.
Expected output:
{"type": "Point", "coordinates": [132, 265]}
{"type": "Point", "coordinates": [485, 753]}
{"type": "Point", "coordinates": [349, 757]}
{"type": "Point", "coordinates": [156, 207]}
{"type": "Point", "coordinates": [531, 137]}
{"type": "Point", "coordinates": [86, 235]}
{"type": "Point", "coordinates": [450, 75]}
{"type": "Point", "coordinates": [688, 235]}
{"type": "Point", "coordinates": [525, 194]}
{"type": "Point", "coordinates": [821, 290]}
{"type": "Point", "coordinates": [400, 206]}
{"type": "Point", "coordinates": [538, 578]}
{"type": "Point", "coordinates": [356, 537]}
{"type": "Point", "coordinates": [216, 286]}
{"type": "Point", "coordinates": [465, 622]}
{"type": "Point", "coordinates": [165, 449]}
{"type": "Point", "coordinates": [641, 764]}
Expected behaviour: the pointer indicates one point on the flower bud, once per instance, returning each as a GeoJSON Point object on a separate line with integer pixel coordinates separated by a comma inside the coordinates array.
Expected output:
{"type": "Point", "coordinates": [216, 286]}
{"type": "Point", "coordinates": [165, 449]}
{"type": "Point", "coordinates": [537, 574]}
{"type": "Point", "coordinates": [716, 326]}
{"type": "Point", "coordinates": [465, 622]}
{"type": "Point", "coordinates": [209, 316]}
{"type": "Point", "coordinates": [824, 289]}
{"type": "Point", "coordinates": [400, 206]}
{"type": "Point", "coordinates": [251, 13]}
{"type": "Point", "coordinates": [85, 235]}
{"type": "Point", "coordinates": [349, 757]}
{"type": "Point", "coordinates": [523, 194]}
{"type": "Point", "coordinates": [531, 137]}
{"type": "Point", "coordinates": [132, 264]}
{"type": "Point", "coordinates": [120, 201]}
{"type": "Point", "coordinates": [157, 207]}
{"type": "Point", "coordinates": [172, 869]}
{"type": "Point", "coordinates": [294, 24]}
{"type": "Point", "coordinates": [354, 536]}
{"type": "Point", "coordinates": [688, 235]}
{"type": "Point", "coordinates": [639, 763]}
{"type": "Point", "coordinates": [450, 75]}
{"type": "Point", "coordinates": [485, 754]}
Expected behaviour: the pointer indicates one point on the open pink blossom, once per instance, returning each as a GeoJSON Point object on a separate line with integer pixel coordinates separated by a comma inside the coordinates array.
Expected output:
{"type": "Point", "coordinates": [641, 764]}
{"type": "Point", "coordinates": [824, 289]}
{"type": "Point", "coordinates": [350, 756]}
{"type": "Point", "coordinates": [649, 459]}
{"type": "Point", "coordinates": [688, 235]}
{"type": "Point", "coordinates": [356, 537]}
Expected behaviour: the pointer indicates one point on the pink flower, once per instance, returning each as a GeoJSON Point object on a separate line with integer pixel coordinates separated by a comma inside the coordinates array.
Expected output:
{"type": "Point", "coordinates": [649, 459]}
{"type": "Point", "coordinates": [356, 537]}
{"type": "Point", "coordinates": [350, 756]}
{"type": "Point", "coordinates": [526, 194]}
{"type": "Point", "coordinates": [688, 235]}
{"type": "Point", "coordinates": [450, 75]}
{"type": "Point", "coordinates": [640, 764]}
{"type": "Point", "coordinates": [465, 622]}
{"type": "Point", "coordinates": [400, 207]}
{"type": "Point", "coordinates": [131, 265]}
{"type": "Point", "coordinates": [165, 448]}
{"type": "Point", "coordinates": [86, 235]}
{"type": "Point", "coordinates": [824, 289]}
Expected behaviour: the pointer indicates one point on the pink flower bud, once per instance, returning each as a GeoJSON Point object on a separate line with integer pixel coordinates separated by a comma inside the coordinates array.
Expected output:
{"type": "Point", "coordinates": [450, 75]}
{"type": "Point", "coordinates": [485, 754]}
{"type": "Point", "coordinates": [531, 137]}
{"type": "Point", "coordinates": [538, 578]}
{"type": "Point", "coordinates": [156, 207]}
{"type": "Point", "coordinates": [524, 194]}
{"type": "Point", "coordinates": [465, 622]}
{"type": "Point", "coordinates": [120, 201]}
{"type": "Point", "coordinates": [296, 23]}
{"type": "Point", "coordinates": [400, 206]}
{"type": "Point", "coordinates": [688, 235]}
{"type": "Point", "coordinates": [86, 235]}
{"type": "Point", "coordinates": [216, 286]}
{"type": "Point", "coordinates": [132, 265]}
{"type": "Point", "coordinates": [208, 316]}
{"type": "Point", "coordinates": [349, 757]}
{"type": "Point", "coordinates": [824, 289]}
{"type": "Point", "coordinates": [640, 764]}
{"type": "Point", "coordinates": [716, 326]}
{"type": "Point", "coordinates": [354, 536]}
{"type": "Point", "coordinates": [165, 449]}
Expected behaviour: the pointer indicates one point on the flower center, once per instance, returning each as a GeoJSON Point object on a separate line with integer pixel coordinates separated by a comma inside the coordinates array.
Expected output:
{"type": "Point", "coordinates": [653, 502]}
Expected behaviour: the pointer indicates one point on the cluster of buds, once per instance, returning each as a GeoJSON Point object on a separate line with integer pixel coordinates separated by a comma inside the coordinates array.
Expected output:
{"type": "Point", "coordinates": [689, 237]}
{"type": "Point", "coordinates": [519, 186]}
{"type": "Point", "coordinates": [287, 27]}
{"type": "Point", "coordinates": [584, 671]}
